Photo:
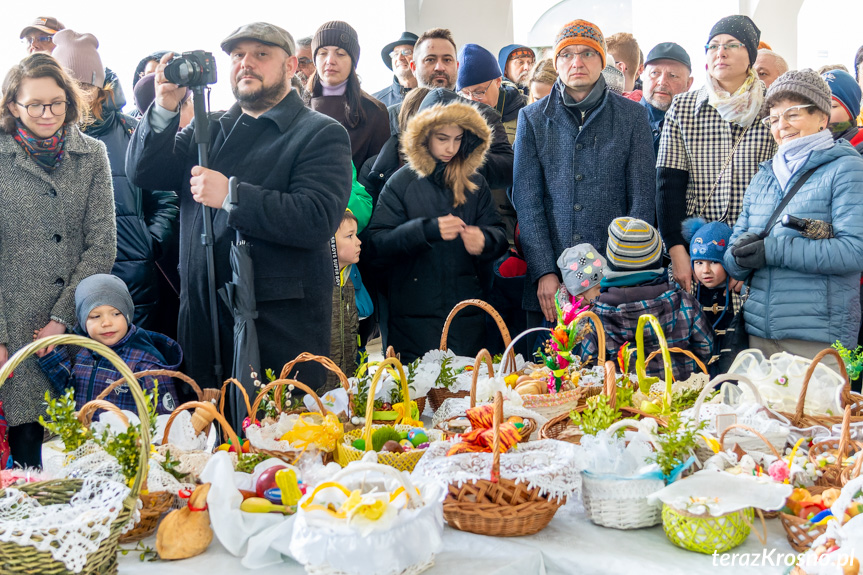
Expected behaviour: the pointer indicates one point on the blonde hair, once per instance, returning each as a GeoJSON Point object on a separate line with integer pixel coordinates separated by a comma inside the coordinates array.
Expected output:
{"type": "Point", "coordinates": [624, 46]}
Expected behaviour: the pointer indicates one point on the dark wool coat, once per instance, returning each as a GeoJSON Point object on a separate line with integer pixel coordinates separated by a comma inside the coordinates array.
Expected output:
{"type": "Point", "coordinates": [426, 276]}
{"type": "Point", "coordinates": [294, 170]}
{"type": "Point", "coordinates": [393, 94]}
{"type": "Point", "coordinates": [55, 230]}
{"type": "Point", "coordinates": [570, 182]}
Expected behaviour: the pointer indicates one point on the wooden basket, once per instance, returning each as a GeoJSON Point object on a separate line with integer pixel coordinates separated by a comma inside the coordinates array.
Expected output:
{"type": "Point", "coordinates": [328, 364]}
{"type": "Point", "coordinates": [497, 506]}
{"type": "Point", "coordinates": [223, 393]}
{"type": "Point", "coordinates": [437, 395]}
{"type": "Point", "coordinates": [801, 534]}
{"type": "Point", "coordinates": [832, 474]}
{"type": "Point", "coordinates": [707, 534]}
{"type": "Point", "coordinates": [765, 513]}
{"type": "Point", "coordinates": [27, 559]}
{"type": "Point", "coordinates": [402, 461]}
{"type": "Point", "coordinates": [421, 401]}
{"type": "Point", "coordinates": [484, 355]}
{"type": "Point", "coordinates": [852, 472]}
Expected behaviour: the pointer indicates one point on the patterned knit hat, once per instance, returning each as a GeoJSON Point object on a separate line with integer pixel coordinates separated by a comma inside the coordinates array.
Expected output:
{"type": "Point", "coordinates": [337, 33]}
{"type": "Point", "coordinates": [707, 242]}
{"type": "Point", "coordinates": [79, 54]}
{"type": "Point", "coordinates": [582, 267]}
{"type": "Point", "coordinates": [632, 245]}
{"type": "Point", "coordinates": [580, 32]}
{"type": "Point", "coordinates": [805, 83]}
{"type": "Point", "coordinates": [741, 27]}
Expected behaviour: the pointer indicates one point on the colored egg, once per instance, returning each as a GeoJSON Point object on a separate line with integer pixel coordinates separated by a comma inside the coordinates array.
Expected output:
{"type": "Point", "coordinates": [423, 446]}
{"type": "Point", "coordinates": [406, 444]}
{"type": "Point", "coordinates": [273, 495]}
{"type": "Point", "coordinates": [392, 447]}
{"type": "Point", "coordinates": [414, 432]}
{"type": "Point", "coordinates": [419, 438]}
{"type": "Point", "coordinates": [518, 425]}
{"type": "Point", "coordinates": [403, 434]}
{"type": "Point", "coordinates": [515, 419]}
{"type": "Point", "coordinates": [359, 444]}
{"type": "Point", "coordinates": [224, 447]}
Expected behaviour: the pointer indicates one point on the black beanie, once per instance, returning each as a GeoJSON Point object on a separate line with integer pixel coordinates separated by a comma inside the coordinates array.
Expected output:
{"type": "Point", "coordinates": [337, 33]}
{"type": "Point", "coordinates": [742, 28]}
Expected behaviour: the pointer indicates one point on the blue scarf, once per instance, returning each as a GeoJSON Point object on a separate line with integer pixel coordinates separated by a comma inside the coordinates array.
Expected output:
{"type": "Point", "coordinates": [792, 156]}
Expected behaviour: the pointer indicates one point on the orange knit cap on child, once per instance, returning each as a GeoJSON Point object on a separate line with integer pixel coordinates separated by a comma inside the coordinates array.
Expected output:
{"type": "Point", "coordinates": [580, 32]}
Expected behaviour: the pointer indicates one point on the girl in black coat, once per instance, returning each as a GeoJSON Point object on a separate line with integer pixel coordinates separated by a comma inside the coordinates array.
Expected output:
{"type": "Point", "coordinates": [435, 229]}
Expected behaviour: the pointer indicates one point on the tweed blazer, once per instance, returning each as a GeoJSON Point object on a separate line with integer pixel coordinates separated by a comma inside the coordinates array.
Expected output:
{"type": "Point", "coordinates": [55, 229]}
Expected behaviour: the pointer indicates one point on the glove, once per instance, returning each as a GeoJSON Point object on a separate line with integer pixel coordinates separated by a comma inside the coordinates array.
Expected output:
{"type": "Point", "coordinates": [748, 251]}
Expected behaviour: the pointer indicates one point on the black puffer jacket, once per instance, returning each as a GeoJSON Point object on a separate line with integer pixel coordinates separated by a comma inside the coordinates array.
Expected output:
{"type": "Point", "coordinates": [425, 275]}
{"type": "Point", "coordinates": [146, 220]}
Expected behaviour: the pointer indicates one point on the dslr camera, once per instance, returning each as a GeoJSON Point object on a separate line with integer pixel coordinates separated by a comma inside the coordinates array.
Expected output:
{"type": "Point", "coordinates": [195, 68]}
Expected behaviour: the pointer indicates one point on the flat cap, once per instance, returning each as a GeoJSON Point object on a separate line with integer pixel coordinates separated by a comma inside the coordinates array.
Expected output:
{"type": "Point", "coordinates": [262, 32]}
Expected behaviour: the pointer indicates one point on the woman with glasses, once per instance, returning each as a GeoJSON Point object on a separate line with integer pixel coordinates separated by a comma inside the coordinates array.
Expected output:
{"type": "Point", "coordinates": [712, 141]}
{"type": "Point", "coordinates": [56, 228]}
{"type": "Point", "coordinates": [805, 292]}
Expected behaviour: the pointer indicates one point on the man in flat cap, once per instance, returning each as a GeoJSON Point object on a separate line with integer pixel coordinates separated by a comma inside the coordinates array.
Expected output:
{"type": "Point", "coordinates": [294, 171]}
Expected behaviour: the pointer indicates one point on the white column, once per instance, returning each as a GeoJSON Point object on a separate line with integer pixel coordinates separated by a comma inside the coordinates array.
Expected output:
{"type": "Point", "coordinates": [484, 22]}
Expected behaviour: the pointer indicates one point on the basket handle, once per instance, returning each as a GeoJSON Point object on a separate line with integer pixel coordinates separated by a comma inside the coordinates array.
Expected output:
{"type": "Point", "coordinates": [646, 426]}
{"type": "Point", "coordinates": [750, 430]}
{"type": "Point", "coordinates": [761, 538]}
{"type": "Point", "coordinates": [858, 465]}
{"type": "Point", "coordinates": [640, 363]}
{"type": "Point", "coordinates": [846, 389]}
{"type": "Point", "coordinates": [477, 364]}
{"type": "Point", "coordinates": [281, 383]}
{"type": "Point", "coordinates": [501, 325]}
{"type": "Point", "coordinates": [370, 401]}
{"type": "Point", "coordinates": [509, 355]}
{"type": "Point", "coordinates": [844, 438]}
{"type": "Point", "coordinates": [211, 409]}
{"type": "Point", "coordinates": [154, 373]}
{"type": "Point", "coordinates": [119, 365]}
{"type": "Point", "coordinates": [685, 352]}
{"type": "Point", "coordinates": [722, 379]}
{"type": "Point", "coordinates": [324, 361]}
{"type": "Point", "coordinates": [609, 385]}
{"type": "Point", "coordinates": [600, 334]}
{"type": "Point", "coordinates": [242, 389]}
{"type": "Point", "coordinates": [391, 352]}
{"type": "Point", "coordinates": [85, 415]}
{"type": "Point", "coordinates": [495, 448]}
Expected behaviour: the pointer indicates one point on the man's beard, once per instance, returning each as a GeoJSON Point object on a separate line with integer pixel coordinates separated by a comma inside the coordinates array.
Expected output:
{"type": "Point", "coordinates": [521, 79]}
{"type": "Point", "coordinates": [429, 81]}
{"type": "Point", "coordinates": [663, 106]}
{"type": "Point", "coordinates": [264, 97]}
{"type": "Point", "coordinates": [404, 74]}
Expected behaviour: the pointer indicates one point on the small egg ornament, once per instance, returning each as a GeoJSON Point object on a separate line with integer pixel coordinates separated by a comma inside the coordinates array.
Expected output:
{"type": "Point", "coordinates": [419, 438]}
{"type": "Point", "coordinates": [515, 419]}
{"type": "Point", "coordinates": [406, 444]}
{"type": "Point", "coordinates": [355, 420]}
{"type": "Point", "coordinates": [423, 446]}
{"type": "Point", "coordinates": [392, 447]}
{"type": "Point", "coordinates": [414, 432]}
{"type": "Point", "coordinates": [273, 495]}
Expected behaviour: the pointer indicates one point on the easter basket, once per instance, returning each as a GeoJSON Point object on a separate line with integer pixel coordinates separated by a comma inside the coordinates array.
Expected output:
{"type": "Point", "coordinates": [449, 426]}
{"type": "Point", "coordinates": [369, 519]}
{"type": "Point", "coordinates": [707, 534]}
{"type": "Point", "coordinates": [420, 401]}
{"type": "Point", "coordinates": [851, 472]}
{"type": "Point", "coordinates": [838, 448]}
{"type": "Point", "coordinates": [437, 395]}
{"type": "Point", "coordinates": [800, 531]}
{"type": "Point", "coordinates": [329, 365]}
{"type": "Point", "coordinates": [403, 461]}
{"type": "Point", "coordinates": [33, 545]}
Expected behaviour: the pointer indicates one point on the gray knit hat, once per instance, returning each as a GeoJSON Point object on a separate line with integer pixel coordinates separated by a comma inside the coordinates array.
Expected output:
{"type": "Point", "coordinates": [632, 245]}
{"type": "Point", "coordinates": [337, 33]}
{"type": "Point", "coordinates": [102, 289]}
{"type": "Point", "coordinates": [805, 83]}
{"type": "Point", "coordinates": [582, 267]}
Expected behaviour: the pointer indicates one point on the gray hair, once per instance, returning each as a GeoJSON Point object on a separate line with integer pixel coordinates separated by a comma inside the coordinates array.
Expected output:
{"type": "Point", "coordinates": [780, 61]}
{"type": "Point", "coordinates": [305, 42]}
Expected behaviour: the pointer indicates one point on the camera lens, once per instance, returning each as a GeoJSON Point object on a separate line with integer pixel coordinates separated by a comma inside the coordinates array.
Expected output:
{"type": "Point", "coordinates": [182, 71]}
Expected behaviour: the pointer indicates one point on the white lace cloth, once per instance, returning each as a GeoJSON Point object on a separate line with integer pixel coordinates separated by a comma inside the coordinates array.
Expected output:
{"type": "Point", "coordinates": [69, 531]}
{"type": "Point", "coordinates": [546, 464]}
{"type": "Point", "coordinates": [267, 436]}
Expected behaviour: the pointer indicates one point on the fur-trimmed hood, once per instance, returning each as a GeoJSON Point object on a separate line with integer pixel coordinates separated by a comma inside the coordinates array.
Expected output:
{"type": "Point", "coordinates": [439, 108]}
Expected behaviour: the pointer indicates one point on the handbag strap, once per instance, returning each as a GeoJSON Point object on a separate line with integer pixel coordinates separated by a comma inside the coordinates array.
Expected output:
{"type": "Point", "coordinates": [722, 171]}
{"type": "Point", "coordinates": [778, 211]}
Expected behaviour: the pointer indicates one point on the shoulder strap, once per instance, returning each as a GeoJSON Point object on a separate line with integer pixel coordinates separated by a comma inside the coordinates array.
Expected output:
{"type": "Point", "coordinates": [778, 211]}
{"type": "Point", "coordinates": [727, 161]}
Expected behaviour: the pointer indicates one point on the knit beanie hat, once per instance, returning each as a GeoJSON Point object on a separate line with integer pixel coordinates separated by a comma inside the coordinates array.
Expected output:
{"type": "Point", "coordinates": [632, 245]}
{"type": "Point", "coordinates": [102, 289]}
{"type": "Point", "coordinates": [78, 54]}
{"type": "Point", "coordinates": [707, 241]}
{"type": "Point", "coordinates": [337, 33]}
{"type": "Point", "coordinates": [742, 28]}
{"type": "Point", "coordinates": [476, 66]}
{"type": "Point", "coordinates": [582, 267]}
{"type": "Point", "coordinates": [846, 91]}
{"type": "Point", "coordinates": [805, 83]}
{"type": "Point", "coordinates": [614, 79]}
{"type": "Point", "coordinates": [580, 32]}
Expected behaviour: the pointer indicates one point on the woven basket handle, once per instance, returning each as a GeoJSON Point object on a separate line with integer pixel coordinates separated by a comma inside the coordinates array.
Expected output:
{"type": "Point", "coordinates": [413, 495]}
{"type": "Point", "coordinates": [844, 438]}
{"type": "Point", "coordinates": [646, 427]}
{"type": "Point", "coordinates": [121, 366]}
{"type": "Point", "coordinates": [846, 389]}
{"type": "Point", "coordinates": [224, 392]}
{"type": "Point", "coordinates": [85, 415]}
{"type": "Point", "coordinates": [155, 373]}
{"type": "Point", "coordinates": [600, 334]}
{"type": "Point", "coordinates": [750, 430]}
{"type": "Point", "coordinates": [508, 366]}
{"type": "Point", "coordinates": [477, 365]}
{"type": "Point", "coordinates": [391, 352]}
{"type": "Point", "coordinates": [640, 363]}
{"type": "Point", "coordinates": [685, 352]}
{"type": "Point", "coordinates": [281, 383]}
{"type": "Point", "coordinates": [609, 386]}
{"type": "Point", "coordinates": [324, 361]}
{"type": "Point", "coordinates": [495, 448]}
{"type": "Point", "coordinates": [211, 409]}
{"type": "Point", "coordinates": [858, 465]}
{"type": "Point", "coordinates": [370, 401]}
{"type": "Point", "coordinates": [501, 325]}
{"type": "Point", "coordinates": [722, 379]}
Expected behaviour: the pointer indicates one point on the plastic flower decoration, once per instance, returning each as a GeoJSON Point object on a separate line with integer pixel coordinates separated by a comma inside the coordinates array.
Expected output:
{"type": "Point", "coordinates": [558, 350]}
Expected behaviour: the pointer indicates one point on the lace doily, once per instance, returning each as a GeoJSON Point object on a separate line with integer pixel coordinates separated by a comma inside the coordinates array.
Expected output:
{"type": "Point", "coordinates": [90, 461]}
{"type": "Point", "coordinates": [69, 531]}
{"type": "Point", "coordinates": [267, 436]}
{"type": "Point", "coordinates": [183, 435]}
{"type": "Point", "coordinates": [546, 464]}
{"type": "Point", "coordinates": [457, 407]}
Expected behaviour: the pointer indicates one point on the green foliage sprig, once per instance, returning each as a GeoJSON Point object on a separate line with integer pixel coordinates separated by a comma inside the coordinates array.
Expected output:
{"type": "Point", "coordinates": [675, 443]}
{"type": "Point", "coordinates": [853, 359]}
{"type": "Point", "coordinates": [446, 377]}
{"type": "Point", "coordinates": [63, 422]}
{"type": "Point", "coordinates": [597, 415]}
{"type": "Point", "coordinates": [246, 462]}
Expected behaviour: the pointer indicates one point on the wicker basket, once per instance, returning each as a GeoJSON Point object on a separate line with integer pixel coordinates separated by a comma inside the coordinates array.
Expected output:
{"type": "Point", "coordinates": [770, 446]}
{"type": "Point", "coordinates": [832, 474]}
{"type": "Point", "coordinates": [421, 401]}
{"type": "Point", "coordinates": [850, 473]}
{"type": "Point", "coordinates": [498, 506]}
{"type": "Point", "coordinates": [801, 534]}
{"type": "Point", "coordinates": [223, 393]}
{"type": "Point", "coordinates": [484, 355]}
{"type": "Point", "coordinates": [707, 534]}
{"type": "Point", "coordinates": [437, 395]}
{"type": "Point", "coordinates": [27, 559]}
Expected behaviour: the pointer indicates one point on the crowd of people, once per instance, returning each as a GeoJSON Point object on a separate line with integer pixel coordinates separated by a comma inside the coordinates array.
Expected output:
{"type": "Point", "coordinates": [589, 174]}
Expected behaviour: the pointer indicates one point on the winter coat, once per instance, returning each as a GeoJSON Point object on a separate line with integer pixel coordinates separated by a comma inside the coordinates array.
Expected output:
{"type": "Point", "coordinates": [426, 276]}
{"type": "Point", "coordinates": [571, 182]}
{"type": "Point", "coordinates": [146, 222]}
{"type": "Point", "coordinates": [809, 289]}
{"type": "Point", "coordinates": [55, 229]}
{"type": "Point", "coordinates": [380, 168]}
{"type": "Point", "coordinates": [90, 373]}
{"type": "Point", "coordinates": [509, 103]}
{"type": "Point", "coordinates": [656, 118]}
{"type": "Point", "coordinates": [854, 135]}
{"type": "Point", "coordinates": [369, 136]}
{"type": "Point", "coordinates": [294, 172]}
{"type": "Point", "coordinates": [678, 312]}
{"type": "Point", "coordinates": [393, 94]}
{"type": "Point", "coordinates": [344, 329]}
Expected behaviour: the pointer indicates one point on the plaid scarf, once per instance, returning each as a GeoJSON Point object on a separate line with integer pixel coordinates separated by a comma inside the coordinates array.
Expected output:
{"type": "Point", "coordinates": [48, 152]}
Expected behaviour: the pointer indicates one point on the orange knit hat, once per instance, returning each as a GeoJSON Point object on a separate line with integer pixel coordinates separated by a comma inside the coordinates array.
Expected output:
{"type": "Point", "coordinates": [580, 32]}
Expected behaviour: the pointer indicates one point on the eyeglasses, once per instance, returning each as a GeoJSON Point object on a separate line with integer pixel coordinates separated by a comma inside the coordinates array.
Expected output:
{"type": "Point", "coordinates": [586, 55]}
{"type": "Point", "coordinates": [406, 52]}
{"type": "Point", "coordinates": [34, 39]}
{"type": "Point", "coordinates": [732, 47]}
{"type": "Point", "coordinates": [791, 115]}
{"type": "Point", "coordinates": [524, 60]}
{"type": "Point", "coordinates": [477, 94]}
{"type": "Point", "coordinates": [304, 62]}
{"type": "Point", "coordinates": [38, 110]}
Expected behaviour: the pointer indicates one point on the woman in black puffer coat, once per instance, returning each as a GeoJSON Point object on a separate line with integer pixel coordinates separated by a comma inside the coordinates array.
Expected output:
{"type": "Point", "coordinates": [146, 220]}
{"type": "Point", "coordinates": [435, 229]}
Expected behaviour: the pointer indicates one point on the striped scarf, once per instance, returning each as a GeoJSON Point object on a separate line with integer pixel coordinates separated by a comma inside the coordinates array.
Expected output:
{"type": "Point", "coordinates": [46, 152]}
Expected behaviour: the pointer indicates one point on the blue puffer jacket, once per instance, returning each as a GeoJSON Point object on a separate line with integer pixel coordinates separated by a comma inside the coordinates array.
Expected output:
{"type": "Point", "coordinates": [810, 289]}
